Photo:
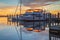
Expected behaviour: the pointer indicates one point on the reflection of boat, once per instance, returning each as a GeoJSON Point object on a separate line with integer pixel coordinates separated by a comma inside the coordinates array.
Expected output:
{"type": "Point", "coordinates": [31, 15]}
{"type": "Point", "coordinates": [34, 26]}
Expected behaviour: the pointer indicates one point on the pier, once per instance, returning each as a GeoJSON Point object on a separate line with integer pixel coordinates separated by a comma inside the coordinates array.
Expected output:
{"type": "Point", "coordinates": [54, 28]}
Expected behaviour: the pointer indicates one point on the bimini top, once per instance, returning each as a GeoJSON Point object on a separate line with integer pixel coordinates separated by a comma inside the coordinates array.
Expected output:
{"type": "Point", "coordinates": [29, 10]}
{"type": "Point", "coordinates": [38, 10]}
{"type": "Point", "coordinates": [34, 10]}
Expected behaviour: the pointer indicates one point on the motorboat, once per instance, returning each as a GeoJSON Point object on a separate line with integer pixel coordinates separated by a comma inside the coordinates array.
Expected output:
{"type": "Point", "coordinates": [31, 15]}
{"type": "Point", "coordinates": [35, 15]}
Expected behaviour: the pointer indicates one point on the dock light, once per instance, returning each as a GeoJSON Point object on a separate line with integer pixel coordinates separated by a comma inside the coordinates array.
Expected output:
{"type": "Point", "coordinates": [29, 29]}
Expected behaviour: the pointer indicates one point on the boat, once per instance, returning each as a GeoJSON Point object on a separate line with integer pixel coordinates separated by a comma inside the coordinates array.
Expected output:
{"type": "Point", "coordinates": [31, 15]}
{"type": "Point", "coordinates": [35, 15]}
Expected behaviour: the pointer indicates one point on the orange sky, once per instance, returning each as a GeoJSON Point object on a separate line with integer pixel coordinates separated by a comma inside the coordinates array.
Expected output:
{"type": "Point", "coordinates": [55, 11]}
{"type": "Point", "coordinates": [11, 10]}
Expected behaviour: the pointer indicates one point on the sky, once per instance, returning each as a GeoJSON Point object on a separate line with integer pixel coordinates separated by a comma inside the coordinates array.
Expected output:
{"type": "Point", "coordinates": [10, 5]}
{"type": "Point", "coordinates": [29, 3]}
{"type": "Point", "coordinates": [6, 3]}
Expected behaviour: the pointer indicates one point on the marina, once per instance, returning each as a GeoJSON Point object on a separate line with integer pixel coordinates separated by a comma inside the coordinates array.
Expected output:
{"type": "Point", "coordinates": [47, 23]}
{"type": "Point", "coordinates": [29, 19]}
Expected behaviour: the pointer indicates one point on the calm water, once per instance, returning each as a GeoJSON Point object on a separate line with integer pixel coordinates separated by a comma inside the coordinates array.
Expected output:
{"type": "Point", "coordinates": [10, 31]}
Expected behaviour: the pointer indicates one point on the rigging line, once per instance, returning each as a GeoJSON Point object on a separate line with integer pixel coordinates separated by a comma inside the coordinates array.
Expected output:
{"type": "Point", "coordinates": [17, 24]}
{"type": "Point", "coordinates": [16, 7]}
{"type": "Point", "coordinates": [17, 33]}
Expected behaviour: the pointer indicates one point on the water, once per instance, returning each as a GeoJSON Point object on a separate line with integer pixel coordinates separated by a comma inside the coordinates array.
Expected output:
{"type": "Point", "coordinates": [8, 32]}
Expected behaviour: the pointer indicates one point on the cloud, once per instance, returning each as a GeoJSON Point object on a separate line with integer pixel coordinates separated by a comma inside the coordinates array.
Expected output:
{"type": "Point", "coordinates": [37, 2]}
{"type": "Point", "coordinates": [52, 7]}
{"type": "Point", "coordinates": [11, 10]}
{"type": "Point", "coordinates": [29, 3]}
{"type": "Point", "coordinates": [3, 5]}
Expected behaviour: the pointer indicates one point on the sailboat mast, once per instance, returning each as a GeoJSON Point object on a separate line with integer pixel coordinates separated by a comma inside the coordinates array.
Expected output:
{"type": "Point", "coordinates": [20, 14]}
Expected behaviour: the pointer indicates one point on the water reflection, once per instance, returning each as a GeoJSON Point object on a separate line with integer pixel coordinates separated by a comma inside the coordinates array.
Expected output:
{"type": "Point", "coordinates": [8, 30]}
{"type": "Point", "coordinates": [34, 26]}
{"type": "Point", "coordinates": [3, 20]}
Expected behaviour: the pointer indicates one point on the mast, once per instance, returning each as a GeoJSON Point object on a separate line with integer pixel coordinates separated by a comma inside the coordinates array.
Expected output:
{"type": "Point", "coordinates": [20, 25]}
